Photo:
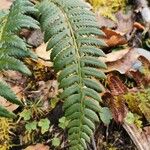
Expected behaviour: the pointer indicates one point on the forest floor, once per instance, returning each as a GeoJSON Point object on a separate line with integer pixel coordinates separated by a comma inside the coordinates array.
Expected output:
{"type": "Point", "coordinates": [126, 94]}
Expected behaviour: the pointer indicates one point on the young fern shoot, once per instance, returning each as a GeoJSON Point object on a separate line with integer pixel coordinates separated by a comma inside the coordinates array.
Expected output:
{"type": "Point", "coordinates": [71, 31]}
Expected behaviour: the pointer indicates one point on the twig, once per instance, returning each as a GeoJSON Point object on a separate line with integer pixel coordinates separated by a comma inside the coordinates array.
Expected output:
{"type": "Point", "coordinates": [93, 143]}
{"type": "Point", "coordinates": [137, 136]}
{"type": "Point", "coordinates": [43, 59]}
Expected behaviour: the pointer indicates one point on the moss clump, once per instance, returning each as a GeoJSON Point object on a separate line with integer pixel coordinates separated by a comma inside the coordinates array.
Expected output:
{"type": "Point", "coordinates": [107, 7]}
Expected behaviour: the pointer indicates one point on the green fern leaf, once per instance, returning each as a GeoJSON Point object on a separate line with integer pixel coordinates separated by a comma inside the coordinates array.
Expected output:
{"type": "Point", "coordinates": [10, 63]}
{"type": "Point", "coordinates": [12, 47]}
{"type": "Point", "coordinates": [71, 31]}
{"type": "Point", "coordinates": [7, 93]}
{"type": "Point", "coordinates": [5, 113]}
{"type": "Point", "coordinates": [92, 51]}
{"type": "Point", "coordinates": [92, 84]}
{"type": "Point", "coordinates": [89, 71]}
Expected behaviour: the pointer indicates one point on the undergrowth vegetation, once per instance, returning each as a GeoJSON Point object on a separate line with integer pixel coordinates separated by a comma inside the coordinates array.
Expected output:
{"type": "Point", "coordinates": [69, 118]}
{"type": "Point", "coordinates": [71, 31]}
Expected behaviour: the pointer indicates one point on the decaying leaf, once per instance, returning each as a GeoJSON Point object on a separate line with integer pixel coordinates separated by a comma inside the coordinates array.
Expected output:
{"type": "Point", "coordinates": [114, 98]}
{"type": "Point", "coordinates": [114, 38]}
{"type": "Point", "coordinates": [41, 51]}
{"type": "Point", "coordinates": [140, 138]}
{"type": "Point", "coordinates": [16, 81]}
{"type": "Point", "coordinates": [139, 26]}
{"type": "Point", "coordinates": [38, 147]}
{"type": "Point", "coordinates": [125, 60]}
{"type": "Point", "coordinates": [116, 86]}
{"type": "Point", "coordinates": [41, 70]}
{"type": "Point", "coordinates": [141, 76]}
{"type": "Point", "coordinates": [116, 105]}
{"type": "Point", "coordinates": [125, 22]}
{"type": "Point", "coordinates": [5, 4]}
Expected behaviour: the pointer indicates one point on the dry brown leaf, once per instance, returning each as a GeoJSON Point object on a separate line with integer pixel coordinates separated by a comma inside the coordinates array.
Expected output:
{"type": "Point", "coordinates": [5, 4]}
{"type": "Point", "coordinates": [16, 81]}
{"type": "Point", "coordinates": [140, 138]}
{"type": "Point", "coordinates": [114, 56]}
{"type": "Point", "coordinates": [116, 105]}
{"type": "Point", "coordinates": [114, 99]}
{"type": "Point", "coordinates": [116, 86]}
{"type": "Point", "coordinates": [43, 54]}
{"type": "Point", "coordinates": [38, 147]}
{"type": "Point", "coordinates": [125, 22]}
{"type": "Point", "coordinates": [139, 26]}
{"type": "Point", "coordinates": [125, 60]}
{"type": "Point", "coordinates": [113, 38]}
{"type": "Point", "coordinates": [105, 22]}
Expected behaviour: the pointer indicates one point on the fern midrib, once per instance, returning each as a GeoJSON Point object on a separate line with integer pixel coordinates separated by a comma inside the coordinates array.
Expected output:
{"type": "Point", "coordinates": [81, 84]}
{"type": "Point", "coordinates": [3, 28]}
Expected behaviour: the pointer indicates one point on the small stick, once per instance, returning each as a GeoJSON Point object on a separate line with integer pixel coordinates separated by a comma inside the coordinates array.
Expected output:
{"type": "Point", "coordinates": [93, 143]}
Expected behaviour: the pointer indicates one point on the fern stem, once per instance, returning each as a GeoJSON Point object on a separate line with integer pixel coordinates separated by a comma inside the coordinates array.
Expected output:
{"type": "Point", "coordinates": [4, 22]}
{"type": "Point", "coordinates": [78, 56]}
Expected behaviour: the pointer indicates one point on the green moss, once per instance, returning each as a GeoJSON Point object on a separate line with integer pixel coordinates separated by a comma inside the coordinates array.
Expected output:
{"type": "Point", "coordinates": [107, 7]}
{"type": "Point", "coordinates": [139, 102]}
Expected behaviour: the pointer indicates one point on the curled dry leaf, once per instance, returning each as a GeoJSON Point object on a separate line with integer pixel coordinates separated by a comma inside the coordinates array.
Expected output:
{"type": "Point", "coordinates": [142, 76]}
{"type": "Point", "coordinates": [125, 60]}
{"type": "Point", "coordinates": [114, 38]}
{"type": "Point", "coordinates": [38, 147]}
{"type": "Point", "coordinates": [139, 26]}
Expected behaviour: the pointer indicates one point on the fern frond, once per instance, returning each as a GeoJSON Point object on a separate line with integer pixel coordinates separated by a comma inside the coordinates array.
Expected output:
{"type": "Point", "coordinates": [5, 113]}
{"type": "Point", "coordinates": [71, 32]}
{"type": "Point", "coordinates": [12, 46]}
{"type": "Point", "coordinates": [7, 93]}
{"type": "Point", "coordinates": [11, 24]}
{"type": "Point", "coordinates": [11, 63]}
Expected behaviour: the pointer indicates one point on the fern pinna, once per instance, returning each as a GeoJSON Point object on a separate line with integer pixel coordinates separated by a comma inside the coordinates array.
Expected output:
{"type": "Point", "coordinates": [12, 46]}
{"type": "Point", "coordinates": [71, 30]}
